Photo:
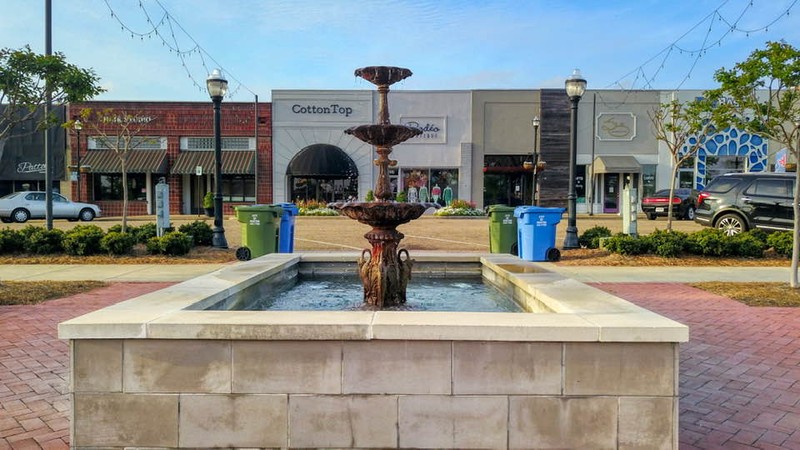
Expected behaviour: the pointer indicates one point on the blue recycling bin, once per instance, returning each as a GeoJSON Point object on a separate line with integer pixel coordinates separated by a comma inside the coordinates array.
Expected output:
{"type": "Point", "coordinates": [286, 229]}
{"type": "Point", "coordinates": [536, 232]}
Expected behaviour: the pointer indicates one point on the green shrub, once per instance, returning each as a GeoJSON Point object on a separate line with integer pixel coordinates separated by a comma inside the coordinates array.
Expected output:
{"type": "Point", "coordinates": [83, 240]}
{"type": "Point", "coordinates": [116, 243]}
{"type": "Point", "coordinates": [176, 243]}
{"type": "Point", "coordinates": [117, 229]}
{"type": "Point", "coordinates": [591, 237]}
{"type": "Point", "coordinates": [460, 208]}
{"type": "Point", "coordinates": [667, 244]}
{"type": "Point", "coordinates": [401, 197]}
{"type": "Point", "coordinates": [153, 246]}
{"type": "Point", "coordinates": [44, 242]}
{"type": "Point", "coordinates": [28, 230]}
{"type": "Point", "coordinates": [748, 245]}
{"type": "Point", "coordinates": [370, 196]}
{"type": "Point", "coordinates": [759, 234]}
{"type": "Point", "coordinates": [208, 200]}
{"type": "Point", "coordinates": [145, 232]}
{"type": "Point", "coordinates": [625, 244]}
{"type": "Point", "coordinates": [708, 242]}
{"type": "Point", "coordinates": [11, 241]}
{"type": "Point", "coordinates": [199, 230]}
{"type": "Point", "coordinates": [781, 242]}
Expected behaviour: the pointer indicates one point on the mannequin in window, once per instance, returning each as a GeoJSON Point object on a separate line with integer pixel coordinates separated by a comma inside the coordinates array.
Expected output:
{"type": "Point", "coordinates": [436, 192]}
{"type": "Point", "coordinates": [412, 195]}
{"type": "Point", "coordinates": [423, 194]}
{"type": "Point", "coordinates": [448, 196]}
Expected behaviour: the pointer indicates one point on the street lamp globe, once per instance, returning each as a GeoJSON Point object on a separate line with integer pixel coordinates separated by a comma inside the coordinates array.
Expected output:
{"type": "Point", "coordinates": [575, 85]}
{"type": "Point", "coordinates": [216, 84]}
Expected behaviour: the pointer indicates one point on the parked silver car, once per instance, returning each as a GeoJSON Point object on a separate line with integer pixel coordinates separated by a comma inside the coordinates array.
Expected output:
{"type": "Point", "coordinates": [24, 205]}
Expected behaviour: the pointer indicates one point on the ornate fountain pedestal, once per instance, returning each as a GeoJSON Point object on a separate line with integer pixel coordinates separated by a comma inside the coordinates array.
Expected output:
{"type": "Point", "coordinates": [384, 270]}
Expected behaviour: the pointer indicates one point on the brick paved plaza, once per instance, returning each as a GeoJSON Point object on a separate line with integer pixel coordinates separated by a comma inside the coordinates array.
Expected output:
{"type": "Point", "coordinates": [740, 371]}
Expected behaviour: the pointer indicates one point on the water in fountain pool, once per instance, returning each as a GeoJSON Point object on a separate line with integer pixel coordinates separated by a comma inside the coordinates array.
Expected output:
{"type": "Point", "coordinates": [344, 293]}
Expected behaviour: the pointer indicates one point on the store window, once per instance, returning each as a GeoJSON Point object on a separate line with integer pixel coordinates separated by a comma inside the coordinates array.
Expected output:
{"type": "Point", "coordinates": [648, 180]}
{"type": "Point", "coordinates": [505, 181]}
{"type": "Point", "coordinates": [109, 186]}
{"type": "Point", "coordinates": [324, 189]}
{"type": "Point", "coordinates": [430, 185]}
{"type": "Point", "coordinates": [238, 188]}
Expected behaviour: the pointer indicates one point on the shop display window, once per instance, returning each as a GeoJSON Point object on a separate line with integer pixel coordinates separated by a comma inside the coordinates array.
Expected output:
{"type": "Point", "coordinates": [108, 186]}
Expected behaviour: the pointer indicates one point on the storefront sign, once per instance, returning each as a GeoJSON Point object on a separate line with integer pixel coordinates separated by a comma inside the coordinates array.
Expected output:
{"type": "Point", "coordinates": [616, 126]}
{"type": "Point", "coordinates": [433, 129]}
{"type": "Point", "coordinates": [29, 167]}
{"type": "Point", "coordinates": [334, 108]}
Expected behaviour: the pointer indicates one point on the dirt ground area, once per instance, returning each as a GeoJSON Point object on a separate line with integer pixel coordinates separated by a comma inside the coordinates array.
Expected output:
{"type": "Point", "coordinates": [426, 233]}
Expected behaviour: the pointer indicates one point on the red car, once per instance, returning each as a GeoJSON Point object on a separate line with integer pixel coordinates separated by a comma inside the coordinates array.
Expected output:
{"type": "Point", "coordinates": [683, 204]}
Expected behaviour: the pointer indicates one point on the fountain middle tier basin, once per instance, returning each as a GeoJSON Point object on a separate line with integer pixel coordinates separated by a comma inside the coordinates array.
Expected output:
{"type": "Point", "coordinates": [387, 215]}
{"type": "Point", "coordinates": [581, 369]}
{"type": "Point", "coordinates": [383, 135]}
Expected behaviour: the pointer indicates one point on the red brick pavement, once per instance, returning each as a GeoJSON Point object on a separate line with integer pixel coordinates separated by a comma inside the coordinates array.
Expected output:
{"type": "Point", "coordinates": [740, 370]}
{"type": "Point", "coordinates": [34, 408]}
{"type": "Point", "coordinates": [739, 375]}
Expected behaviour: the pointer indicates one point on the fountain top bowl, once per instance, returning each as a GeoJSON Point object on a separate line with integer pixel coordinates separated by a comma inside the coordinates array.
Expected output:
{"type": "Point", "coordinates": [383, 75]}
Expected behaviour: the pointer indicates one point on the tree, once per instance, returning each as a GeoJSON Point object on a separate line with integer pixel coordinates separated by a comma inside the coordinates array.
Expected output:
{"type": "Point", "coordinates": [684, 129]}
{"type": "Point", "coordinates": [119, 131]}
{"type": "Point", "coordinates": [25, 79]}
{"type": "Point", "coordinates": [761, 95]}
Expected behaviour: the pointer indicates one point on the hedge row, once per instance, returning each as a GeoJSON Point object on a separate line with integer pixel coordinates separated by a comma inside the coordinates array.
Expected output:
{"type": "Point", "coordinates": [84, 240]}
{"type": "Point", "coordinates": [707, 242]}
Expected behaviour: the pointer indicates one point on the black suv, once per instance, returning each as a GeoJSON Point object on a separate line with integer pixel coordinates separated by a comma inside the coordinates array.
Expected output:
{"type": "Point", "coordinates": [738, 202]}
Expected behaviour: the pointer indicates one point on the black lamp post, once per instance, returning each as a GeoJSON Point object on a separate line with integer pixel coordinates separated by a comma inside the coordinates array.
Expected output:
{"type": "Point", "coordinates": [535, 123]}
{"type": "Point", "coordinates": [78, 126]}
{"type": "Point", "coordinates": [575, 86]}
{"type": "Point", "coordinates": [217, 87]}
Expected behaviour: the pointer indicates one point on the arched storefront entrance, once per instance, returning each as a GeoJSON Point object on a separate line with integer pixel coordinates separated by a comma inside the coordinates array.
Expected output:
{"type": "Point", "coordinates": [322, 172]}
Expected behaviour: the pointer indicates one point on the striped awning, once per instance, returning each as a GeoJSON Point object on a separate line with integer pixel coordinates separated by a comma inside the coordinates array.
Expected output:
{"type": "Point", "coordinates": [236, 162]}
{"type": "Point", "coordinates": [137, 161]}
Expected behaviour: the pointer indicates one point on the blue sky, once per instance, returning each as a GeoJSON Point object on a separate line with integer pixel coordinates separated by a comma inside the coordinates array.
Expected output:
{"type": "Point", "coordinates": [263, 45]}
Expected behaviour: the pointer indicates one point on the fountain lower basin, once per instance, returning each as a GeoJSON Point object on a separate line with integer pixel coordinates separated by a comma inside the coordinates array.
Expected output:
{"type": "Point", "coordinates": [589, 370]}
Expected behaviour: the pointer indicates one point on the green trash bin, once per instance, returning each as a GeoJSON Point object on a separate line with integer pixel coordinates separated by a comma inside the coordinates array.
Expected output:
{"type": "Point", "coordinates": [260, 225]}
{"type": "Point", "coordinates": [502, 229]}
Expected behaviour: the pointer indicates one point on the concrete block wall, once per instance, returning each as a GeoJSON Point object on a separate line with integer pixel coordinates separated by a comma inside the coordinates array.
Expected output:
{"type": "Point", "coordinates": [373, 394]}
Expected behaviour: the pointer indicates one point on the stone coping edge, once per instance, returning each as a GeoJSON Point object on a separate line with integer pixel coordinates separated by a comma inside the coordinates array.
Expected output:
{"type": "Point", "coordinates": [567, 310]}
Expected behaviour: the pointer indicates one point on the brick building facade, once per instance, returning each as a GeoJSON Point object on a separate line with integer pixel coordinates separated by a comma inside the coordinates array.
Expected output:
{"type": "Point", "coordinates": [173, 141]}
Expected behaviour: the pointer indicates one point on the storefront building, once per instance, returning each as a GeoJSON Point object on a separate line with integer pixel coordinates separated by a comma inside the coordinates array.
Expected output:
{"type": "Point", "coordinates": [22, 157]}
{"type": "Point", "coordinates": [173, 142]}
{"type": "Point", "coordinates": [315, 160]}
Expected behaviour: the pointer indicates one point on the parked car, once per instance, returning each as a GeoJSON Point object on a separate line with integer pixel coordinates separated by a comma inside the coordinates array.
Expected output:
{"type": "Point", "coordinates": [683, 204]}
{"type": "Point", "coordinates": [24, 205]}
{"type": "Point", "coordinates": [738, 202]}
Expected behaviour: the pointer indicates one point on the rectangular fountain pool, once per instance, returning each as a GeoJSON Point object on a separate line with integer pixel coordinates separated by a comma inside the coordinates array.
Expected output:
{"type": "Point", "coordinates": [589, 370]}
{"type": "Point", "coordinates": [344, 293]}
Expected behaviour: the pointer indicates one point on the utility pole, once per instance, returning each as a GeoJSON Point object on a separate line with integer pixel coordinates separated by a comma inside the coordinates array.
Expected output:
{"type": "Point", "coordinates": [48, 100]}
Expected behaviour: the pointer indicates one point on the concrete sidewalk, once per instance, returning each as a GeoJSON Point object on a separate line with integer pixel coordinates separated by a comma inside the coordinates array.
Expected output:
{"type": "Point", "coordinates": [105, 272]}
{"type": "Point", "coordinates": [662, 274]}
{"type": "Point", "coordinates": [587, 274]}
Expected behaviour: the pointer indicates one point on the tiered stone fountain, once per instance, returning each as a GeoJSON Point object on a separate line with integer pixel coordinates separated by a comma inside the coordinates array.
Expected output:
{"type": "Point", "coordinates": [384, 270]}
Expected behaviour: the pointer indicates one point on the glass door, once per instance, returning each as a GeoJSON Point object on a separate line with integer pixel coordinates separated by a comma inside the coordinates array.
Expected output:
{"type": "Point", "coordinates": [611, 193]}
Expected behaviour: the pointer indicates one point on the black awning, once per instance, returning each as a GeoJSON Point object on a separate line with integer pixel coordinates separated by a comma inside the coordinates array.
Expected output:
{"type": "Point", "coordinates": [322, 161]}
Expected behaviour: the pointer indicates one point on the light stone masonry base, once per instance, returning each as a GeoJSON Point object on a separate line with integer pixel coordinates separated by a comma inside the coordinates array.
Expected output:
{"type": "Point", "coordinates": [189, 378]}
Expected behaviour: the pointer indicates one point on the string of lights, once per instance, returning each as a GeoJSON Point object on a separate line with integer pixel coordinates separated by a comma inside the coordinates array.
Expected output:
{"type": "Point", "coordinates": [642, 80]}
{"type": "Point", "coordinates": [167, 29]}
